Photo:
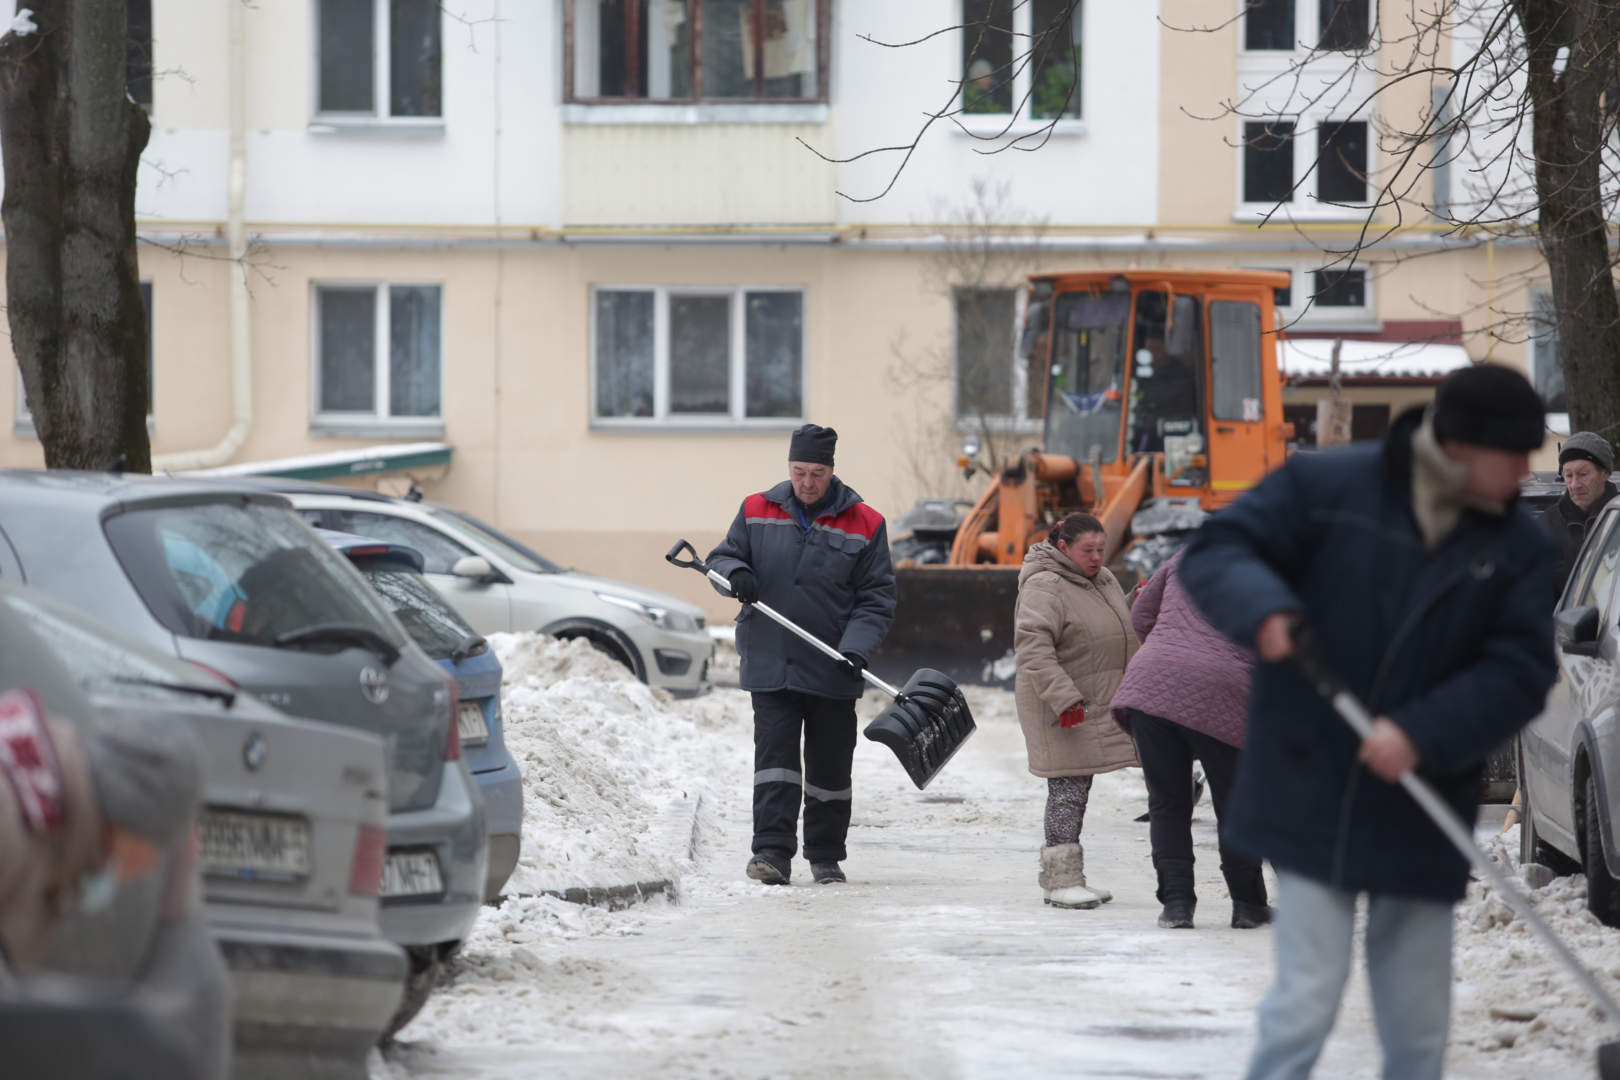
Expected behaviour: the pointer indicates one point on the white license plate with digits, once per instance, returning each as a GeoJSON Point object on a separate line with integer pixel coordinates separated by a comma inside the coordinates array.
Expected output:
{"type": "Point", "coordinates": [470, 723]}
{"type": "Point", "coordinates": [253, 846]}
{"type": "Point", "coordinates": [411, 873]}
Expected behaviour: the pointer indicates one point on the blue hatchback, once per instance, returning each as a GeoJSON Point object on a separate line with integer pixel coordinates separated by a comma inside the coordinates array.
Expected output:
{"type": "Point", "coordinates": [395, 571]}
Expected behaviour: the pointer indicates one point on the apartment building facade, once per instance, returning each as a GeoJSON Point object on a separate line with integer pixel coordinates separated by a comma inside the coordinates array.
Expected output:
{"type": "Point", "coordinates": [579, 266]}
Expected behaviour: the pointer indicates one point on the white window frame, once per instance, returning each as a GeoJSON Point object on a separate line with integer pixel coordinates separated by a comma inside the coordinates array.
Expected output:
{"type": "Point", "coordinates": [1305, 203]}
{"type": "Point", "coordinates": [1299, 321]}
{"type": "Point", "coordinates": [1017, 421]}
{"type": "Point", "coordinates": [382, 75]}
{"type": "Point", "coordinates": [1307, 27]}
{"type": "Point", "coordinates": [1557, 423]}
{"type": "Point", "coordinates": [22, 420]}
{"type": "Point", "coordinates": [737, 372]}
{"type": "Point", "coordinates": [1025, 123]}
{"type": "Point", "coordinates": [379, 417]}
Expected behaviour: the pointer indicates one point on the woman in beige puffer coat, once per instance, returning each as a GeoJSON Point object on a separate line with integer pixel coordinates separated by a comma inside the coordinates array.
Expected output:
{"type": "Point", "coordinates": [1072, 637]}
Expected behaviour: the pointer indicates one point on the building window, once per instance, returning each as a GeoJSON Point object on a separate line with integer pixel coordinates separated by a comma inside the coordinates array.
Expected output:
{"type": "Point", "coordinates": [1274, 156]}
{"type": "Point", "coordinates": [381, 58]}
{"type": "Point", "coordinates": [986, 374]}
{"type": "Point", "coordinates": [1022, 58]}
{"type": "Point", "coordinates": [698, 354]}
{"type": "Point", "coordinates": [1281, 25]}
{"type": "Point", "coordinates": [1268, 161]}
{"type": "Point", "coordinates": [1546, 370]}
{"type": "Point", "coordinates": [24, 420]}
{"type": "Point", "coordinates": [377, 352]}
{"type": "Point", "coordinates": [697, 50]}
{"type": "Point", "coordinates": [138, 53]}
{"type": "Point", "coordinates": [1339, 288]}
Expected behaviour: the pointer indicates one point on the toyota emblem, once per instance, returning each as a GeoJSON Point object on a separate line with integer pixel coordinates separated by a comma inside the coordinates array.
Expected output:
{"type": "Point", "coordinates": [254, 751]}
{"type": "Point", "coordinates": [374, 684]}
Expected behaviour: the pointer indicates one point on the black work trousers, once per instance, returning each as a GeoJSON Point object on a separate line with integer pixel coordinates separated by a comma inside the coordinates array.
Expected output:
{"type": "Point", "coordinates": [823, 784]}
{"type": "Point", "coordinates": [1167, 750]}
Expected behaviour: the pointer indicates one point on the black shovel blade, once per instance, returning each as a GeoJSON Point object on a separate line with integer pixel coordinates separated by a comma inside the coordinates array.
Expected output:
{"type": "Point", "coordinates": [925, 726]}
{"type": "Point", "coordinates": [1608, 1057]}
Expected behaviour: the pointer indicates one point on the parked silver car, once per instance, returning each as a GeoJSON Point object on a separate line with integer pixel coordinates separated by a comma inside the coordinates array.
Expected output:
{"type": "Point", "coordinates": [230, 579]}
{"type": "Point", "coordinates": [500, 585]}
{"type": "Point", "coordinates": [291, 839]}
{"type": "Point", "coordinates": [1569, 756]}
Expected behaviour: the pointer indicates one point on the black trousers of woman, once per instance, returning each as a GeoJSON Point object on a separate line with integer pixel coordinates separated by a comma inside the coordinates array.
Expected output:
{"type": "Point", "coordinates": [1167, 750]}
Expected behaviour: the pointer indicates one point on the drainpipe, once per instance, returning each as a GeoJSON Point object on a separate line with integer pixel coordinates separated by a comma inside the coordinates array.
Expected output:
{"type": "Point", "coordinates": [236, 237]}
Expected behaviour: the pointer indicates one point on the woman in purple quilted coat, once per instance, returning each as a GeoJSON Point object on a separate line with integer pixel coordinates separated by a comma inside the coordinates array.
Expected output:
{"type": "Point", "coordinates": [1185, 696]}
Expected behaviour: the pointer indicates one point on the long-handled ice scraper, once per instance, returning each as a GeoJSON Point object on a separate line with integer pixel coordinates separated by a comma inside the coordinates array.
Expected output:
{"type": "Point", "coordinates": [929, 719]}
{"type": "Point", "coordinates": [1308, 658]}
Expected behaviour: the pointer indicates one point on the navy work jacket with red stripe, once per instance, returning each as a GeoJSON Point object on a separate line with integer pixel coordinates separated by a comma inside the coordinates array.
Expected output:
{"type": "Point", "coordinates": [832, 576]}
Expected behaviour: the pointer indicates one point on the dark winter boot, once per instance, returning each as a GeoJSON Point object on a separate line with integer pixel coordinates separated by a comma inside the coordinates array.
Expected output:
{"type": "Point", "coordinates": [1176, 893]}
{"type": "Point", "coordinates": [770, 867]}
{"type": "Point", "coordinates": [827, 873]}
{"type": "Point", "coordinates": [1249, 909]}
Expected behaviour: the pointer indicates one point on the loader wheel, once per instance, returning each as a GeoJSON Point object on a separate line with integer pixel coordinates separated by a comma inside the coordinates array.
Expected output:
{"type": "Point", "coordinates": [1602, 890]}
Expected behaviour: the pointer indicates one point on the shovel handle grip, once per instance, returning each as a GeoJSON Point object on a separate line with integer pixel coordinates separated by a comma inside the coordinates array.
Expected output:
{"type": "Point", "coordinates": [691, 562]}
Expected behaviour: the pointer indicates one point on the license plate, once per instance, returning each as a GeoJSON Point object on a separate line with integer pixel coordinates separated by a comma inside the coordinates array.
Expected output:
{"type": "Point", "coordinates": [253, 846]}
{"type": "Point", "coordinates": [411, 873]}
{"type": "Point", "coordinates": [470, 724]}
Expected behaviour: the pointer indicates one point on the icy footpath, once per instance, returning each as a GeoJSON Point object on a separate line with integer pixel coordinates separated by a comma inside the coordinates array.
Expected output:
{"type": "Point", "coordinates": [1514, 1004]}
{"type": "Point", "coordinates": [613, 770]}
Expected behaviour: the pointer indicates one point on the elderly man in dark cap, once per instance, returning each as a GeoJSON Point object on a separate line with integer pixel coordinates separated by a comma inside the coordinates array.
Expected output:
{"type": "Point", "coordinates": [1426, 584]}
{"type": "Point", "coordinates": [1585, 460]}
{"type": "Point", "coordinates": [812, 550]}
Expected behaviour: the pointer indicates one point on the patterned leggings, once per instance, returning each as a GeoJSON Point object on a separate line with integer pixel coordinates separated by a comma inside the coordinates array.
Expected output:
{"type": "Point", "coordinates": [1066, 798]}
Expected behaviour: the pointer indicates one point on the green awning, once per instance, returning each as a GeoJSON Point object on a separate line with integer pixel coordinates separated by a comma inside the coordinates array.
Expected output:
{"type": "Point", "coordinates": [340, 463]}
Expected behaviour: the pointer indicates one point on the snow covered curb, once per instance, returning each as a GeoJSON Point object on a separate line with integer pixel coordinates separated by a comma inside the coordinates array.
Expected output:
{"type": "Point", "coordinates": [614, 771]}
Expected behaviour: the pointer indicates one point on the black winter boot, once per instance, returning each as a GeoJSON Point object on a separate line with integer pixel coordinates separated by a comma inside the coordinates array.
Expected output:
{"type": "Point", "coordinates": [827, 873]}
{"type": "Point", "coordinates": [1176, 893]}
{"type": "Point", "coordinates": [770, 867]}
{"type": "Point", "coordinates": [1249, 908]}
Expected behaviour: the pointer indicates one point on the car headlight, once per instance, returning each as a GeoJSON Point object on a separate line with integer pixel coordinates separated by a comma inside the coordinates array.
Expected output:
{"type": "Point", "coordinates": [677, 621]}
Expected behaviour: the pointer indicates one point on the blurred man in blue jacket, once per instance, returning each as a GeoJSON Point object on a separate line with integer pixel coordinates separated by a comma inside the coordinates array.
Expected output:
{"type": "Point", "coordinates": [1426, 584]}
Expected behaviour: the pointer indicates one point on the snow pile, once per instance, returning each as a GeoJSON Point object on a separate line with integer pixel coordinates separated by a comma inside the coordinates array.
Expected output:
{"type": "Point", "coordinates": [24, 24]}
{"type": "Point", "coordinates": [611, 767]}
{"type": "Point", "coordinates": [1514, 995]}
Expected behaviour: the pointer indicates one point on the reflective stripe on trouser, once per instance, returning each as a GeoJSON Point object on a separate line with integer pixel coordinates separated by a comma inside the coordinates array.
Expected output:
{"type": "Point", "coordinates": [827, 726]}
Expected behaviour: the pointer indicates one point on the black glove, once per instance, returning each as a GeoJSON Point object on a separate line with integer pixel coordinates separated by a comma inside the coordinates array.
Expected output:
{"type": "Point", "coordinates": [857, 664]}
{"type": "Point", "coordinates": [744, 585]}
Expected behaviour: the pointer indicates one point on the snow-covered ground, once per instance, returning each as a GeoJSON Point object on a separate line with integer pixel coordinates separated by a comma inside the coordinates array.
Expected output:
{"type": "Point", "coordinates": [938, 958]}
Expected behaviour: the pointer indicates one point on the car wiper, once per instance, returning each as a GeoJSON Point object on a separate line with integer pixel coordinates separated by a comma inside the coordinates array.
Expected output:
{"type": "Point", "coordinates": [472, 646]}
{"type": "Point", "coordinates": [217, 692]}
{"type": "Point", "coordinates": [350, 633]}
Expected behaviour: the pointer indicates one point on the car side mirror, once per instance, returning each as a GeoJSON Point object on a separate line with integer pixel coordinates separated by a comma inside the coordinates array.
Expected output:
{"type": "Point", "coordinates": [1576, 631]}
{"type": "Point", "coordinates": [475, 568]}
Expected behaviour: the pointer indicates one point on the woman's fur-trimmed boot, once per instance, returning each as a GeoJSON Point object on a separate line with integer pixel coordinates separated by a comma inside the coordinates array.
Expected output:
{"type": "Point", "coordinates": [1063, 878]}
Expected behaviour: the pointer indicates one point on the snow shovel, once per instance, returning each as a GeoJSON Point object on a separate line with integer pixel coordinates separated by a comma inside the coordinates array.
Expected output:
{"type": "Point", "coordinates": [929, 720]}
{"type": "Point", "coordinates": [1307, 657]}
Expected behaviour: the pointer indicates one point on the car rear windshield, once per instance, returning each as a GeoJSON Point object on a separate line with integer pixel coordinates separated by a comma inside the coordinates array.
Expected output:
{"type": "Point", "coordinates": [432, 623]}
{"type": "Point", "coordinates": [524, 558]}
{"type": "Point", "coordinates": [241, 572]}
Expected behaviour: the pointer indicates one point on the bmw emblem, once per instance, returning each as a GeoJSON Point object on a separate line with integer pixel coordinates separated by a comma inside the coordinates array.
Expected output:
{"type": "Point", "coordinates": [254, 751]}
{"type": "Point", "coordinates": [374, 684]}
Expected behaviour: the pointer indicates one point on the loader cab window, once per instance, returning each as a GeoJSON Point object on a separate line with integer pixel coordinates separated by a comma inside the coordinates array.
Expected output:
{"type": "Point", "coordinates": [1085, 398]}
{"type": "Point", "coordinates": [1234, 333]}
{"type": "Point", "coordinates": [1166, 398]}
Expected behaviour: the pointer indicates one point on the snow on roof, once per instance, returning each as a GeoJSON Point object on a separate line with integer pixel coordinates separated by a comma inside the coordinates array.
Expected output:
{"type": "Point", "coordinates": [1313, 358]}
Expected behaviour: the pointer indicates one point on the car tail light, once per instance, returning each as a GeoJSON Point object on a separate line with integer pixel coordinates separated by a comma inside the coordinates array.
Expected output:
{"type": "Point", "coordinates": [452, 745]}
{"type": "Point", "coordinates": [215, 672]}
{"type": "Point", "coordinates": [366, 870]}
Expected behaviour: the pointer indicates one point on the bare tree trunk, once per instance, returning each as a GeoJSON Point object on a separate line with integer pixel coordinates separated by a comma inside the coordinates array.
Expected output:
{"type": "Point", "coordinates": [1569, 147]}
{"type": "Point", "coordinates": [1333, 413]}
{"type": "Point", "coordinates": [71, 142]}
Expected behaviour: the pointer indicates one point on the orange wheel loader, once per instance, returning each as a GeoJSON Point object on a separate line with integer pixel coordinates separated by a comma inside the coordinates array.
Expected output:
{"type": "Point", "coordinates": [1162, 400]}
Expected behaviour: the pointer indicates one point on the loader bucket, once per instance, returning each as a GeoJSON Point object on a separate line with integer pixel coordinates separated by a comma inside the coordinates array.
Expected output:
{"type": "Point", "coordinates": [925, 726]}
{"type": "Point", "coordinates": [957, 620]}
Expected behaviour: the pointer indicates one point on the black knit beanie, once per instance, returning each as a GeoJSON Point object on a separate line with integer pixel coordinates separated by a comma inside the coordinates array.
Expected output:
{"type": "Point", "coordinates": [814, 444]}
{"type": "Point", "coordinates": [1489, 405]}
